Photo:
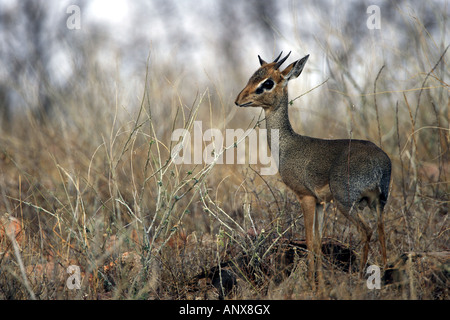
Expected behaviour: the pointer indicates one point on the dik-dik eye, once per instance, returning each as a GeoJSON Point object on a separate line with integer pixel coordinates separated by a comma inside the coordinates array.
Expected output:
{"type": "Point", "coordinates": [267, 85]}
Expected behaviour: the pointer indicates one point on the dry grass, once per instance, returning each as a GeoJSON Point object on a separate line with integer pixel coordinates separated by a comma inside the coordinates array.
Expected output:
{"type": "Point", "coordinates": [96, 187]}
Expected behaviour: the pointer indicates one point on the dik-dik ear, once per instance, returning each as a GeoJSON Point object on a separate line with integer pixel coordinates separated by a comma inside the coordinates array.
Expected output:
{"type": "Point", "coordinates": [293, 70]}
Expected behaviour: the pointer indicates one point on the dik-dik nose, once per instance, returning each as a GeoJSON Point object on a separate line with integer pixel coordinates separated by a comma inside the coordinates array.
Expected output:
{"type": "Point", "coordinates": [236, 102]}
{"type": "Point", "coordinates": [239, 103]}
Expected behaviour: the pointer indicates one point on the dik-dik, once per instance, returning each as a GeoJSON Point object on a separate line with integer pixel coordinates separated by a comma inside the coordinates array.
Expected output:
{"type": "Point", "coordinates": [352, 173]}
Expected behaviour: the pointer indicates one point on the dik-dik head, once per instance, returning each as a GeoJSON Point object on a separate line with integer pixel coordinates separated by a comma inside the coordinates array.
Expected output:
{"type": "Point", "coordinates": [268, 85]}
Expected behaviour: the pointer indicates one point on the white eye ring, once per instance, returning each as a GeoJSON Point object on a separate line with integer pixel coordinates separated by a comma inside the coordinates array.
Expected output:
{"type": "Point", "coordinates": [265, 85]}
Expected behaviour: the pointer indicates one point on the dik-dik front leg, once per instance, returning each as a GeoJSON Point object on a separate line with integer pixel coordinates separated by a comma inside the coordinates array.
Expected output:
{"type": "Point", "coordinates": [313, 216]}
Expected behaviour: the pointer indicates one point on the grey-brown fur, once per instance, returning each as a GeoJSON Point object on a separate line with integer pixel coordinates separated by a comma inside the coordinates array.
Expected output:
{"type": "Point", "coordinates": [350, 167]}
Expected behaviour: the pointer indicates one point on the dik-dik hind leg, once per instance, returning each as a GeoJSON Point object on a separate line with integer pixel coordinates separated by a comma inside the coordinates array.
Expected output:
{"type": "Point", "coordinates": [366, 233]}
{"type": "Point", "coordinates": [364, 230]}
{"type": "Point", "coordinates": [381, 234]}
{"type": "Point", "coordinates": [318, 226]}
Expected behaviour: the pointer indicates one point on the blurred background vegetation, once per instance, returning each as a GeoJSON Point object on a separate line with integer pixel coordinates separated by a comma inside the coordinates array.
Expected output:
{"type": "Point", "coordinates": [86, 117]}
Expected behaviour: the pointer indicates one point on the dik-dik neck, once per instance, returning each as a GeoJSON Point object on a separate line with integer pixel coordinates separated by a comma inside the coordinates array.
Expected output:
{"type": "Point", "coordinates": [278, 118]}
